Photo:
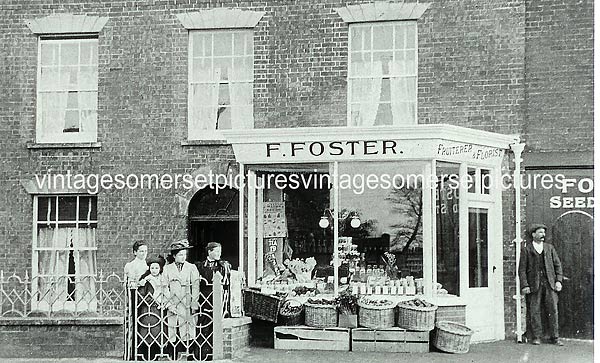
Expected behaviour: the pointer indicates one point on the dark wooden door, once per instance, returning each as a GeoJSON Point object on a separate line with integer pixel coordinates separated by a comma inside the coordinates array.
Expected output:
{"type": "Point", "coordinates": [573, 235]}
{"type": "Point", "coordinates": [568, 213]}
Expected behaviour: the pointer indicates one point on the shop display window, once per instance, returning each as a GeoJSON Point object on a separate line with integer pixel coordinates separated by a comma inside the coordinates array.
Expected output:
{"type": "Point", "coordinates": [447, 226]}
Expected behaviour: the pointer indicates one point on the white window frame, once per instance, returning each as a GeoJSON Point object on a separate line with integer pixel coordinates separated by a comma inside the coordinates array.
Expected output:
{"type": "Point", "coordinates": [216, 134]}
{"type": "Point", "coordinates": [35, 275]}
{"type": "Point", "coordinates": [393, 49]}
{"type": "Point", "coordinates": [42, 135]}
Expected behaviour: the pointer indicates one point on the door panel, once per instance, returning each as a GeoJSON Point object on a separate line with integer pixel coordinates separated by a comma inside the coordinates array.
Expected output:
{"type": "Point", "coordinates": [569, 214]}
{"type": "Point", "coordinates": [480, 293]}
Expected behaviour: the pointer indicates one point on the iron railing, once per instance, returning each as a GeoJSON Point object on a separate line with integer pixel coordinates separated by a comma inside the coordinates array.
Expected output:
{"type": "Point", "coordinates": [61, 296]}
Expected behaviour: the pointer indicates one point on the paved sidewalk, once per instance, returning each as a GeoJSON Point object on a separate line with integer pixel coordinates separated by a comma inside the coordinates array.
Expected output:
{"type": "Point", "coordinates": [504, 351]}
{"type": "Point", "coordinates": [574, 351]}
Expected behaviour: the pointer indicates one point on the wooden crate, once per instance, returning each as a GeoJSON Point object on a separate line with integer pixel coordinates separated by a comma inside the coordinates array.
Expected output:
{"type": "Point", "coordinates": [395, 340]}
{"type": "Point", "coordinates": [305, 337]}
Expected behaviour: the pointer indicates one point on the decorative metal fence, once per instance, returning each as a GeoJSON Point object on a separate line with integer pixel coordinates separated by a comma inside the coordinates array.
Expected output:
{"type": "Point", "coordinates": [61, 296]}
{"type": "Point", "coordinates": [175, 319]}
{"type": "Point", "coordinates": [163, 320]}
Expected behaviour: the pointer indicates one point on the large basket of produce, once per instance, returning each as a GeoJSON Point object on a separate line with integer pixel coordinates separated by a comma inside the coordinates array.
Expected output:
{"type": "Point", "coordinates": [262, 306]}
{"type": "Point", "coordinates": [320, 313]}
{"type": "Point", "coordinates": [452, 337]}
{"type": "Point", "coordinates": [376, 313]}
{"type": "Point", "coordinates": [417, 315]}
{"type": "Point", "coordinates": [291, 313]}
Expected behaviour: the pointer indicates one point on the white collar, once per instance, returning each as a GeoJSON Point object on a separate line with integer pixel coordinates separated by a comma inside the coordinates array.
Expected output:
{"type": "Point", "coordinates": [539, 247]}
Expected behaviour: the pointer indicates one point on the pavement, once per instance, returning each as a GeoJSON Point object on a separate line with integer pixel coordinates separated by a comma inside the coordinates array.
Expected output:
{"type": "Point", "coordinates": [574, 351]}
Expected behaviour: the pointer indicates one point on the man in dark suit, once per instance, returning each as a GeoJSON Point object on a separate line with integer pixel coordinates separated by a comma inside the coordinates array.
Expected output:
{"type": "Point", "coordinates": [540, 275]}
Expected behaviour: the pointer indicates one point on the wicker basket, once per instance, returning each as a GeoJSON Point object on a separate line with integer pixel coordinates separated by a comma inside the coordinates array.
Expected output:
{"type": "Point", "coordinates": [452, 337]}
{"type": "Point", "coordinates": [261, 306]}
{"type": "Point", "coordinates": [375, 317]}
{"type": "Point", "coordinates": [416, 317]}
{"type": "Point", "coordinates": [320, 316]}
{"type": "Point", "coordinates": [290, 319]}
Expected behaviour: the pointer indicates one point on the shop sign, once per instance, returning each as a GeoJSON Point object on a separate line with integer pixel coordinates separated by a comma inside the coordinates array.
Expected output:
{"type": "Point", "coordinates": [575, 194]}
{"type": "Point", "coordinates": [386, 149]}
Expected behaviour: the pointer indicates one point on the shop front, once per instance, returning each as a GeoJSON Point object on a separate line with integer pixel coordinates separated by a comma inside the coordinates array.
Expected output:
{"type": "Point", "coordinates": [410, 212]}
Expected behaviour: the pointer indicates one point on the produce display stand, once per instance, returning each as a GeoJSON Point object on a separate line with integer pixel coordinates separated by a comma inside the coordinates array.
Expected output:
{"type": "Point", "coordinates": [306, 337]}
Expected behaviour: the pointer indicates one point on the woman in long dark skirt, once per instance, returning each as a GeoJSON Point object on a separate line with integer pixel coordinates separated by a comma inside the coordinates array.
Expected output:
{"type": "Point", "coordinates": [207, 269]}
{"type": "Point", "coordinates": [153, 297]}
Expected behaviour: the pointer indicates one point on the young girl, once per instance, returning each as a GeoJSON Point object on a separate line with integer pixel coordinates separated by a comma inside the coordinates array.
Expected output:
{"type": "Point", "coordinates": [153, 299]}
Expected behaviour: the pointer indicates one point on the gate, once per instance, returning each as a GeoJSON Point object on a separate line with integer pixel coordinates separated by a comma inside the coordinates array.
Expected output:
{"type": "Point", "coordinates": [169, 320]}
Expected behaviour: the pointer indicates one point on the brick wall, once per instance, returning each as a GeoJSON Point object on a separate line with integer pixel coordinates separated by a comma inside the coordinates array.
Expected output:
{"type": "Point", "coordinates": [236, 337]}
{"type": "Point", "coordinates": [559, 75]}
{"type": "Point", "coordinates": [61, 339]}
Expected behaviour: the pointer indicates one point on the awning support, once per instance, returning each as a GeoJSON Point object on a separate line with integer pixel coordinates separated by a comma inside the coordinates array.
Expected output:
{"type": "Point", "coordinates": [518, 150]}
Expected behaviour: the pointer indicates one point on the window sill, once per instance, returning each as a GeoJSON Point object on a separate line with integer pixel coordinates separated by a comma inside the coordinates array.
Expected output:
{"type": "Point", "coordinates": [61, 145]}
{"type": "Point", "coordinates": [204, 143]}
{"type": "Point", "coordinates": [61, 321]}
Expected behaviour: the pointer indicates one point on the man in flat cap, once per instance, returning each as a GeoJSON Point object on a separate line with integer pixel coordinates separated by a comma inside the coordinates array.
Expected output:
{"type": "Point", "coordinates": [540, 275]}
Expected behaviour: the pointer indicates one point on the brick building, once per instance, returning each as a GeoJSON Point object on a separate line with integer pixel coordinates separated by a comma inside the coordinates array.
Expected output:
{"type": "Point", "coordinates": [137, 87]}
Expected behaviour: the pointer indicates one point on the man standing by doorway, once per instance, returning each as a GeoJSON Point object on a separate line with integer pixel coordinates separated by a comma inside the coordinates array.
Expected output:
{"type": "Point", "coordinates": [540, 275]}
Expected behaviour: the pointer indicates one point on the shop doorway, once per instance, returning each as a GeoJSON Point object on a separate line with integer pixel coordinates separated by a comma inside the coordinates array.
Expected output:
{"type": "Point", "coordinates": [569, 215]}
{"type": "Point", "coordinates": [480, 266]}
{"type": "Point", "coordinates": [213, 217]}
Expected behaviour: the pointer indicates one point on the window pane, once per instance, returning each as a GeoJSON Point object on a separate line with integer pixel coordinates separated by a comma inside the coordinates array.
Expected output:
{"type": "Point", "coordinates": [67, 208]}
{"type": "Point", "coordinates": [87, 208]}
{"type": "Point", "coordinates": [89, 78]}
{"type": "Point", "coordinates": [88, 100]}
{"type": "Point", "coordinates": [224, 64]}
{"type": "Point", "coordinates": [49, 78]}
{"type": "Point", "coordinates": [85, 53]}
{"type": "Point", "coordinates": [222, 44]}
{"type": "Point", "coordinates": [447, 224]}
{"type": "Point", "coordinates": [384, 115]}
{"type": "Point", "coordinates": [356, 35]}
{"type": "Point", "coordinates": [471, 172]}
{"type": "Point", "coordinates": [390, 218]}
{"type": "Point", "coordinates": [46, 209]}
{"type": "Point", "coordinates": [411, 36]}
{"type": "Point", "coordinates": [198, 43]}
{"type": "Point", "coordinates": [239, 44]}
{"type": "Point", "coordinates": [478, 247]}
{"type": "Point", "coordinates": [71, 121]}
{"type": "Point", "coordinates": [242, 70]}
{"type": "Point", "coordinates": [224, 118]}
{"type": "Point", "coordinates": [486, 181]}
{"type": "Point", "coordinates": [385, 90]}
{"type": "Point", "coordinates": [69, 53]}
{"type": "Point", "coordinates": [400, 35]}
{"type": "Point", "coordinates": [68, 77]}
{"type": "Point", "coordinates": [48, 53]}
{"type": "Point", "coordinates": [72, 100]}
{"type": "Point", "coordinates": [224, 94]}
{"type": "Point", "coordinates": [382, 37]}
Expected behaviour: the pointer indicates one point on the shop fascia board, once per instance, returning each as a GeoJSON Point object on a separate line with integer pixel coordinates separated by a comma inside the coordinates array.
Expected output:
{"type": "Point", "coordinates": [266, 145]}
{"type": "Point", "coordinates": [419, 132]}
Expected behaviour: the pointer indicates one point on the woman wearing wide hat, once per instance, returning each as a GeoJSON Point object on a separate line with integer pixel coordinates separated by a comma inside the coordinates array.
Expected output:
{"type": "Point", "coordinates": [182, 279]}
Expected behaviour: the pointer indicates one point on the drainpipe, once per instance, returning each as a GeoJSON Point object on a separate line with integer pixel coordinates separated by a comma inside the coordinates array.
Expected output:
{"type": "Point", "coordinates": [518, 150]}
